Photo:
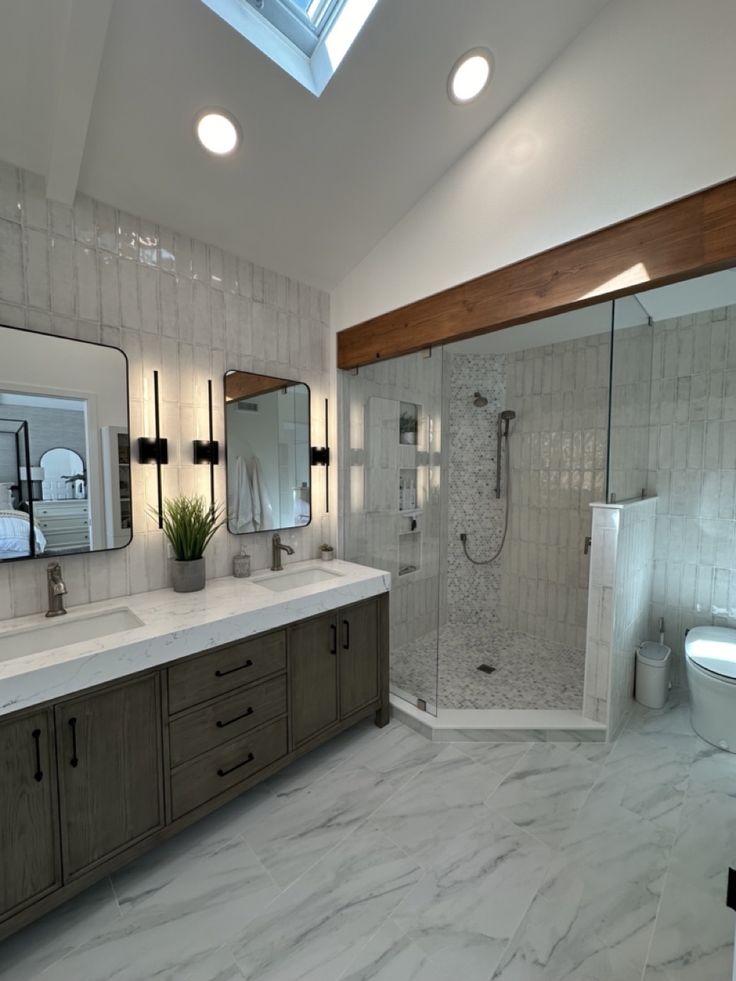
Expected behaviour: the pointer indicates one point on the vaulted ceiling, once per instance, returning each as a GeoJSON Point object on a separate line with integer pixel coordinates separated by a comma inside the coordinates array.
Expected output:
{"type": "Point", "coordinates": [102, 94]}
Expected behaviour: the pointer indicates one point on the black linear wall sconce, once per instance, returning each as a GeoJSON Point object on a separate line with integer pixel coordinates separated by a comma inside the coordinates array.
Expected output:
{"type": "Point", "coordinates": [319, 456]}
{"type": "Point", "coordinates": [155, 449]}
{"type": "Point", "coordinates": [208, 450]}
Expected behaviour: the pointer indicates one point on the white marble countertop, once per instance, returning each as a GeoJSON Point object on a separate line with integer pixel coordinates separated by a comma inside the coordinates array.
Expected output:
{"type": "Point", "coordinates": [174, 625]}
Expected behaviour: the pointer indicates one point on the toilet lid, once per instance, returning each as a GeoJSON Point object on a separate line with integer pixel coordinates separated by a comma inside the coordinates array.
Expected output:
{"type": "Point", "coordinates": [713, 648]}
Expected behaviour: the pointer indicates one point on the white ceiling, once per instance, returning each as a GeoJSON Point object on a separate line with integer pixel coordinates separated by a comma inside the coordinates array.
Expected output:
{"type": "Point", "coordinates": [317, 182]}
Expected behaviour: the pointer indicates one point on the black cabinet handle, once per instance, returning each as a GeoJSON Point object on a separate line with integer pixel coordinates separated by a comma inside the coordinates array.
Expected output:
{"type": "Point", "coordinates": [246, 761]}
{"type": "Point", "coordinates": [38, 775]}
{"type": "Point", "coordinates": [333, 645]}
{"type": "Point", "coordinates": [346, 635]}
{"type": "Point", "coordinates": [240, 667]}
{"type": "Point", "coordinates": [221, 725]}
{"type": "Point", "coordinates": [73, 725]}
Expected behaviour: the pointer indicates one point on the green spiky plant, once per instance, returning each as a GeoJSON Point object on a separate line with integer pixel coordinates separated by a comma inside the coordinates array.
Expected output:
{"type": "Point", "coordinates": [189, 524]}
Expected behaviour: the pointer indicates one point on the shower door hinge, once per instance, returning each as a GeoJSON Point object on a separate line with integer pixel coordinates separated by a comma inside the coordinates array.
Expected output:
{"type": "Point", "coordinates": [588, 544]}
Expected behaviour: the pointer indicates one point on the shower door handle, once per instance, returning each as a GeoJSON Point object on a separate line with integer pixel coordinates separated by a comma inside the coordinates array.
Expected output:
{"type": "Point", "coordinates": [588, 544]}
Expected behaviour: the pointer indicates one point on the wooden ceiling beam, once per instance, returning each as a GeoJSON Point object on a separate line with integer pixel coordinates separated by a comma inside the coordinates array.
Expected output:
{"type": "Point", "coordinates": [689, 237]}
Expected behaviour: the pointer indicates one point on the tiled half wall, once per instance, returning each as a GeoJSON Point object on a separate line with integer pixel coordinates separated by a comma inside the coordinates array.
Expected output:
{"type": "Point", "coordinates": [618, 606]}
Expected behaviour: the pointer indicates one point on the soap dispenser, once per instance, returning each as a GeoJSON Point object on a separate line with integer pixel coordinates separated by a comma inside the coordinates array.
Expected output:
{"type": "Point", "coordinates": [241, 564]}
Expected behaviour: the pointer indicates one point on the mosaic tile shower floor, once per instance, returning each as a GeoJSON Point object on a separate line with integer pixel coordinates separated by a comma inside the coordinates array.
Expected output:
{"type": "Point", "coordinates": [529, 673]}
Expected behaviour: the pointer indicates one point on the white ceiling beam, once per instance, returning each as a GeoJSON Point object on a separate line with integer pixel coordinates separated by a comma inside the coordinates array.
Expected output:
{"type": "Point", "coordinates": [79, 68]}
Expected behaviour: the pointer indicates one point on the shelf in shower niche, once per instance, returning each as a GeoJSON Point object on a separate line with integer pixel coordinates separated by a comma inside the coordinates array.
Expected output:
{"type": "Point", "coordinates": [410, 552]}
{"type": "Point", "coordinates": [410, 512]}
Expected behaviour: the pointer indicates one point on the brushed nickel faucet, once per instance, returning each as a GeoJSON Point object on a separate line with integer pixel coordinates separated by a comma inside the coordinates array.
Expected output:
{"type": "Point", "coordinates": [277, 547]}
{"type": "Point", "coordinates": [57, 590]}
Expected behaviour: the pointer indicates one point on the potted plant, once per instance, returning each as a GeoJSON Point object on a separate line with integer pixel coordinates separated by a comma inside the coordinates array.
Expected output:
{"type": "Point", "coordinates": [327, 552]}
{"type": "Point", "coordinates": [189, 525]}
{"type": "Point", "coordinates": [408, 428]}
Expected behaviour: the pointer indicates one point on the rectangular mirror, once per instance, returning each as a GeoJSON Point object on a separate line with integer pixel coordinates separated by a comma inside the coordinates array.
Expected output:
{"type": "Point", "coordinates": [64, 446]}
{"type": "Point", "coordinates": [267, 435]}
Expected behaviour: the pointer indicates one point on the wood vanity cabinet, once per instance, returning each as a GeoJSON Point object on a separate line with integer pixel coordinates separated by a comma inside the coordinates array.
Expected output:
{"type": "Point", "coordinates": [333, 668]}
{"type": "Point", "coordinates": [358, 640]}
{"type": "Point", "coordinates": [110, 771]}
{"type": "Point", "coordinates": [30, 864]}
{"type": "Point", "coordinates": [313, 681]}
{"type": "Point", "coordinates": [93, 780]}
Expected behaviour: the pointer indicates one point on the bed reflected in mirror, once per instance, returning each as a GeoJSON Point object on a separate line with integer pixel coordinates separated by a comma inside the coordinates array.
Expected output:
{"type": "Point", "coordinates": [64, 446]}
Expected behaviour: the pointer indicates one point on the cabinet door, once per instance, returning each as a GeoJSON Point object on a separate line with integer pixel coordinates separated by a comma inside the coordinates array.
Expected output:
{"type": "Point", "coordinates": [313, 677]}
{"type": "Point", "coordinates": [110, 771]}
{"type": "Point", "coordinates": [29, 827]}
{"type": "Point", "coordinates": [358, 656]}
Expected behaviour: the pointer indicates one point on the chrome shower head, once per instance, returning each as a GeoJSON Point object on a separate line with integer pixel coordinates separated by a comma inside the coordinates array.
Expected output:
{"type": "Point", "coordinates": [479, 401]}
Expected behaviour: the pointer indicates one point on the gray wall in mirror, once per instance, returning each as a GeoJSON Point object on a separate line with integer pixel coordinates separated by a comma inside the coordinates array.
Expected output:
{"type": "Point", "coordinates": [73, 397]}
{"type": "Point", "coordinates": [267, 433]}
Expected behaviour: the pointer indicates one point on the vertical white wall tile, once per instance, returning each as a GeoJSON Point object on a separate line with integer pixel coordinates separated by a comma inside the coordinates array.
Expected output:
{"type": "Point", "coordinates": [88, 272]}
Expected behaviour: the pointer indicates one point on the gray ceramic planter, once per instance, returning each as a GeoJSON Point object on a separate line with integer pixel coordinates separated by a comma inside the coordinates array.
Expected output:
{"type": "Point", "coordinates": [187, 577]}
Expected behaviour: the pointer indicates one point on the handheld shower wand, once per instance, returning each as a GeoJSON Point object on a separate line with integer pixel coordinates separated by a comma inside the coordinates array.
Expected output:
{"type": "Point", "coordinates": [502, 433]}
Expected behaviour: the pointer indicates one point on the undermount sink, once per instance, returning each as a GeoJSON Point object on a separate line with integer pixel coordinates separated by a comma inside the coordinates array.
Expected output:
{"type": "Point", "coordinates": [280, 582]}
{"type": "Point", "coordinates": [60, 632]}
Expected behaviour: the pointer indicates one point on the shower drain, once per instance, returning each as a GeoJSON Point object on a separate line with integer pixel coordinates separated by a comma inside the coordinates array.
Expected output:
{"type": "Point", "coordinates": [486, 668]}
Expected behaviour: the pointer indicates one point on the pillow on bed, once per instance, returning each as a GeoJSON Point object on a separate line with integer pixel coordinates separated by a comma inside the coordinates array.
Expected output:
{"type": "Point", "coordinates": [6, 497]}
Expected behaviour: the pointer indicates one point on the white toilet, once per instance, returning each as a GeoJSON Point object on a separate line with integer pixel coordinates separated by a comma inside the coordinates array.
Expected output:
{"type": "Point", "coordinates": [710, 660]}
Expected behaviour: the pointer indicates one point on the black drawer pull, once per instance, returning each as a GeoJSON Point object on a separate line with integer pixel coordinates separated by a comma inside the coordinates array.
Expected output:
{"type": "Point", "coordinates": [221, 725]}
{"type": "Point", "coordinates": [75, 759]}
{"type": "Point", "coordinates": [241, 667]}
{"type": "Point", "coordinates": [346, 635]}
{"type": "Point", "coordinates": [224, 773]}
{"type": "Point", "coordinates": [333, 646]}
{"type": "Point", "coordinates": [38, 775]}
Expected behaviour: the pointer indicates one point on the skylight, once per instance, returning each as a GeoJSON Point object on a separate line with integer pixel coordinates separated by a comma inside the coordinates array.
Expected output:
{"type": "Point", "coordinates": [307, 38]}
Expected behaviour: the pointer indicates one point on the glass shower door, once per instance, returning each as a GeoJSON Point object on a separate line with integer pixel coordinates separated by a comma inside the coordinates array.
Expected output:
{"type": "Point", "coordinates": [390, 475]}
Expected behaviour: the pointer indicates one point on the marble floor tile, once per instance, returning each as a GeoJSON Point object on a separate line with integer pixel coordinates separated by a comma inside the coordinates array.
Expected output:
{"type": "Point", "coordinates": [693, 937]}
{"type": "Point", "coordinates": [478, 887]}
{"type": "Point", "coordinates": [386, 857]}
{"type": "Point", "coordinates": [290, 834]}
{"type": "Point", "coordinates": [499, 757]}
{"type": "Point", "coordinates": [707, 833]}
{"type": "Point", "coordinates": [391, 956]}
{"type": "Point", "coordinates": [443, 800]}
{"type": "Point", "coordinates": [28, 954]}
{"type": "Point", "coordinates": [559, 940]}
{"type": "Point", "coordinates": [545, 791]}
{"type": "Point", "coordinates": [173, 929]}
{"type": "Point", "coordinates": [313, 930]}
{"type": "Point", "coordinates": [647, 776]}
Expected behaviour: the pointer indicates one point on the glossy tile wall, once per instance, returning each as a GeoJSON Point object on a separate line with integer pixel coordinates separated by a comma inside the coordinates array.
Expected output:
{"type": "Point", "coordinates": [558, 460]}
{"type": "Point", "coordinates": [692, 451]}
{"type": "Point", "coordinates": [171, 303]}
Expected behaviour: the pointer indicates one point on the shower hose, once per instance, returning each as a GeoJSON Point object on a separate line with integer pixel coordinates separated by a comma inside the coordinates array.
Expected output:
{"type": "Point", "coordinates": [464, 538]}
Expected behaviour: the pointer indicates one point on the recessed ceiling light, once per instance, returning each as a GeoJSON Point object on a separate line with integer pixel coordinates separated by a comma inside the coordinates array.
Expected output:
{"type": "Point", "coordinates": [470, 75]}
{"type": "Point", "coordinates": [217, 131]}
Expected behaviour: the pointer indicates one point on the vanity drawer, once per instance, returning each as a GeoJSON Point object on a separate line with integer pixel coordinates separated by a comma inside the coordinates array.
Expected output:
{"type": "Point", "coordinates": [203, 729]}
{"type": "Point", "coordinates": [201, 678]}
{"type": "Point", "coordinates": [204, 778]}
